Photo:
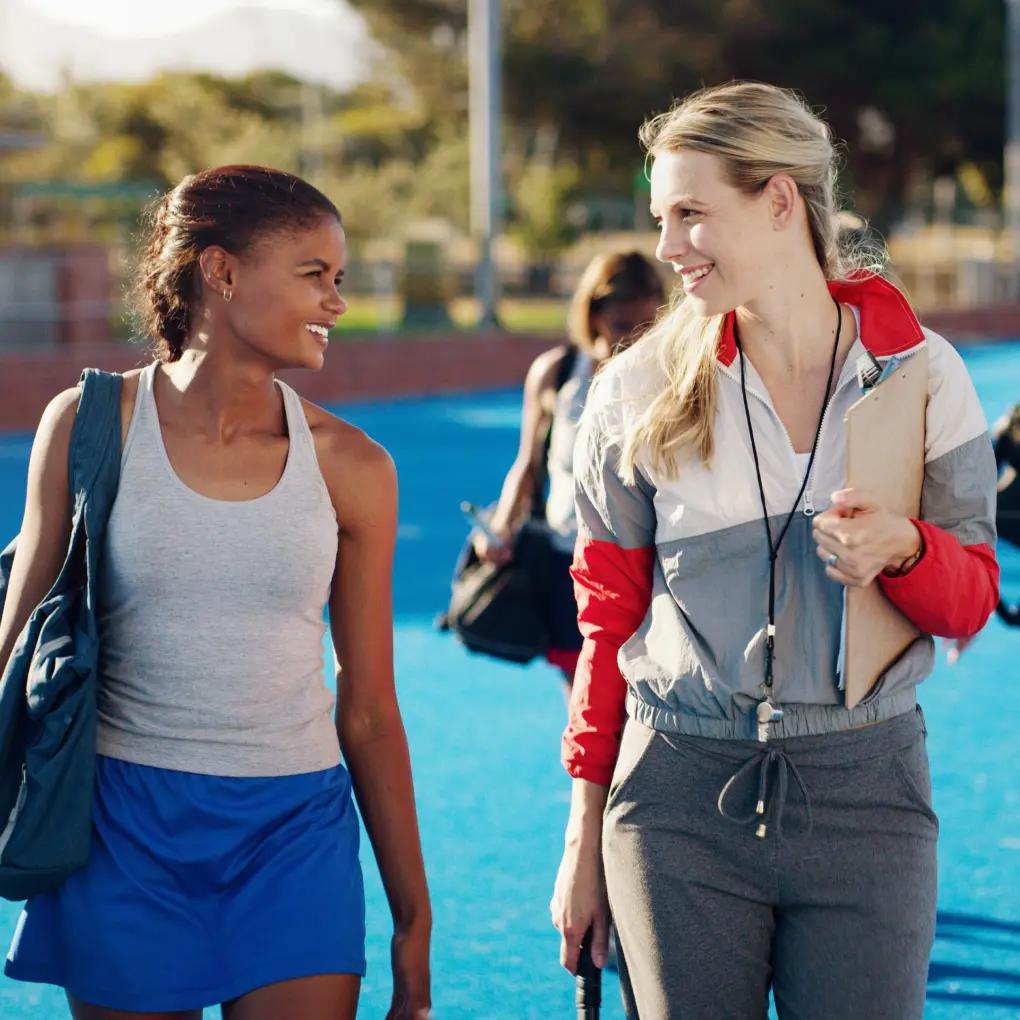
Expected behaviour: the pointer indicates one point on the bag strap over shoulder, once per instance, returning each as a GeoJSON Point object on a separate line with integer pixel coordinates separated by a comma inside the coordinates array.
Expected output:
{"type": "Point", "coordinates": [95, 438]}
{"type": "Point", "coordinates": [566, 366]}
{"type": "Point", "coordinates": [564, 369]}
{"type": "Point", "coordinates": [94, 452]}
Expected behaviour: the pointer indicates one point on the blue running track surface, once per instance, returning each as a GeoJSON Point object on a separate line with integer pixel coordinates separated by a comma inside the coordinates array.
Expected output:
{"type": "Point", "coordinates": [493, 798]}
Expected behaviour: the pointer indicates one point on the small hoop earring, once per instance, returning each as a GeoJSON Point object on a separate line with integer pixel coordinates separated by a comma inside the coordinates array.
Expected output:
{"type": "Point", "coordinates": [227, 295]}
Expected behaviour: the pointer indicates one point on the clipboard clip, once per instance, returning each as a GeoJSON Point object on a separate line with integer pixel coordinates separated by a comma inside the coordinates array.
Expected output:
{"type": "Point", "coordinates": [871, 371]}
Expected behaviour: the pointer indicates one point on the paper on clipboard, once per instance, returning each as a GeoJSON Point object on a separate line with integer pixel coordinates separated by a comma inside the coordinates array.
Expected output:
{"type": "Point", "coordinates": [885, 432]}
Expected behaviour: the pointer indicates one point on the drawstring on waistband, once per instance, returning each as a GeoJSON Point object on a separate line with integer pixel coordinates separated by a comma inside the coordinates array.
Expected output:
{"type": "Point", "coordinates": [764, 760]}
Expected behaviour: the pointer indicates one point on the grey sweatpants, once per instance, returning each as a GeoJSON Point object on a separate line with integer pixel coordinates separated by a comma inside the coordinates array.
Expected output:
{"type": "Point", "coordinates": [834, 908]}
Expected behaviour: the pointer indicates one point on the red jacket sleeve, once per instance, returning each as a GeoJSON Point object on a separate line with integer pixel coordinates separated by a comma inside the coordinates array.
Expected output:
{"type": "Point", "coordinates": [953, 588]}
{"type": "Point", "coordinates": [613, 587]}
{"type": "Point", "coordinates": [612, 571]}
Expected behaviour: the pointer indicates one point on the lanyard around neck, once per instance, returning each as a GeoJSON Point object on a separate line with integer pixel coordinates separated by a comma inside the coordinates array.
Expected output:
{"type": "Point", "coordinates": [770, 635]}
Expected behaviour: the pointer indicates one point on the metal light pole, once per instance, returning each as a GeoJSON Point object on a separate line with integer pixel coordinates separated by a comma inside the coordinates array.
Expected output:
{"type": "Point", "coordinates": [484, 67]}
{"type": "Point", "coordinates": [311, 130]}
{"type": "Point", "coordinates": [1012, 168]}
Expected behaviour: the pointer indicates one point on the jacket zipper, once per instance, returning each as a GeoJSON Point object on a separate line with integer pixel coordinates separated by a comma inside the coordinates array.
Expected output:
{"type": "Point", "coordinates": [809, 506]}
{"type": "Point", "coordinates": [809, 509]}
{"type": "Point", "coordinates": [809, 502]}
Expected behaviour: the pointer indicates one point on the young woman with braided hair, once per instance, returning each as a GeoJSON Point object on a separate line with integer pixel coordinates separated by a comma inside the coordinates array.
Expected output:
{"type": "Point", "coordinates": [747, 830]}
{"type": "Point", "coordinates": [224, 861]}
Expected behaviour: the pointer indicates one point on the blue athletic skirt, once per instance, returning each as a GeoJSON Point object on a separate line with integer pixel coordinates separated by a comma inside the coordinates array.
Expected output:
{"type": "Point", "coordinates": [199, 889]}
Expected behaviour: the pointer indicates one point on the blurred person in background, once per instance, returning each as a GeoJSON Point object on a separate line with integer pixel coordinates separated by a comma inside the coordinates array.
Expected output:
{"type": "Point", "coordinates": [617, 297]}
{"type": "Point", "coordinates": [224, 859]}
{"type": "Point", "coordinates": [1006, 436]}
{"type": "Point", "coordinates": [746, 829]}
{"type": "Point", "coordinates": [1006, 440]}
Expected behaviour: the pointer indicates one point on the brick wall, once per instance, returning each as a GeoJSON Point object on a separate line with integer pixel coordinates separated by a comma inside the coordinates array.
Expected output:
{"type": "Point", "coordinates": [354, 370]}
{"type": "Point", "coordinates": [85, 286]}
{"type": "Point", "coordinates": [54, 296]}
{"type": "Point", "coordinates": [991, 322]}
{"type": "Point", "coordinates": [383, 367]}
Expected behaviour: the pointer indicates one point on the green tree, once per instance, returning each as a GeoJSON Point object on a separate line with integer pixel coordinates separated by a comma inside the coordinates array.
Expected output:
{"type": "Point", "coordinates": [914, 88]}
{"type": "Point", "coordinates": [541, 196]}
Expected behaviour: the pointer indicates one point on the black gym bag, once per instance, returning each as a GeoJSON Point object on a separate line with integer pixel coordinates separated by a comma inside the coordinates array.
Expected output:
{"type": "Point", "coordinates": [497, 608]}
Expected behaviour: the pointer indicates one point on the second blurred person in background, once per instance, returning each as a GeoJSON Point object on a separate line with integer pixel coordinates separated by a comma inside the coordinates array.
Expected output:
{"type": "Point", "coordinates": [617, 297]}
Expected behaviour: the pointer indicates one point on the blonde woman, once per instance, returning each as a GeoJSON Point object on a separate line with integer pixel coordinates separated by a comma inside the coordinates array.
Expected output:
{"type": "Point", "coordinates": [618, 295]}
{"type": "Point", "coordinates": [750, 830]}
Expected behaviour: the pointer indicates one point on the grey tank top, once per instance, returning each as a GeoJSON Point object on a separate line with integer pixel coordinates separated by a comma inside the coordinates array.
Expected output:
{"type": "Point", "coordinates": [559, 507]}
{"type": "Point", "coordinates": [210, 614]}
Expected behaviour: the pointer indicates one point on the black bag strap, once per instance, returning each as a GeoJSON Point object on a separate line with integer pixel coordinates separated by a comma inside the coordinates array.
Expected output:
{"type": "Point", "coordinates": [564, 369]}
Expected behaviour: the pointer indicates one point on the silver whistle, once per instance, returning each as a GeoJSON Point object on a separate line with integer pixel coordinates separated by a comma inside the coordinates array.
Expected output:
{"type": "Point", "coordinates": [766, 714]}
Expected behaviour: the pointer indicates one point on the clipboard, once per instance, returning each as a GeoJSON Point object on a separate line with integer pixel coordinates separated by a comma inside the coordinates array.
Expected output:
{"type": "Point", "coordinates": [885, 433]}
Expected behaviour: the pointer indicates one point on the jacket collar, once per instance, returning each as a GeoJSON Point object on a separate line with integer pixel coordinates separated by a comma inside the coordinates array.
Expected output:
{"type": "Point", "coordinates": [888, 324]}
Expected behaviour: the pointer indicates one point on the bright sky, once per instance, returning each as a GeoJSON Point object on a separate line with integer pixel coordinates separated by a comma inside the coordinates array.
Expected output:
{"type": "Point", "coordinates": [131, 17]}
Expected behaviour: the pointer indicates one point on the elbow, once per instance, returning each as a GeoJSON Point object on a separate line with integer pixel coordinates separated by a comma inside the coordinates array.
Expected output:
{"type": "Point", "coordinates": [984, 605]}
{"type": "Point", "coordinates": [970, 615]}
{"type": "Point", "coordinates": [356, 728]}
{"type": "Point", "coordinates": [522, 474]}
{"type": "Point", "coordinates": [982, 613]}
{"type": "Point", "coordinates": [964, 628]}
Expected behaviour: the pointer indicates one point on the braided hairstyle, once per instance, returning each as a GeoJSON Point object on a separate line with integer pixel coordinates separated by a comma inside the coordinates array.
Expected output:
{"type": "Point", "coordinates": [232, 207]}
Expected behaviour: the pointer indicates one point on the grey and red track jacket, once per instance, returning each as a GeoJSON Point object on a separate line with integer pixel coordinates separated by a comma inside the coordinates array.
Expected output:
{"type": "Point", "coordinates": [671, 573]}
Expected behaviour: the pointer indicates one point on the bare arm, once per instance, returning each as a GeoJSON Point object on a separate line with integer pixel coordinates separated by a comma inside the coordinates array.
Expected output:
{"type": "Point", "coordinates": [579, 898]}
{"type": "Point", "coordinates": [46, 527]}
{"type": "Point", "coordinates": [368, 719]}
{"type": "Point", "coordinates": [519, 485]}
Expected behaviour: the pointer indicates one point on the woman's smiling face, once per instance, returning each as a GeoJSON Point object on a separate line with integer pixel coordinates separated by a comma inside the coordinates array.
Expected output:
{"type": "Point", "coordinates": [720, 240]}
{"type": "Point", "coordinates": [285, 294]}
